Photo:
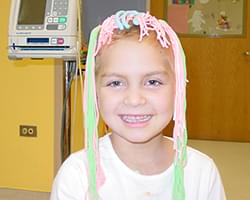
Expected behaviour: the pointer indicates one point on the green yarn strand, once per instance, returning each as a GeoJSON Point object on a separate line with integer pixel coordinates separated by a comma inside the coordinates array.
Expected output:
{"type": "Point", "coordinates": [91, 115]}
{"type": "Point", "coordinates": [178, 190]}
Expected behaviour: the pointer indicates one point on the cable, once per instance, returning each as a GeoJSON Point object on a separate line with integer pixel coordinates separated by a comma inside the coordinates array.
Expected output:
{"type": "Point", "coordinates": [70, 70]}
{"type": "Point", "coordinates": [74, 107]}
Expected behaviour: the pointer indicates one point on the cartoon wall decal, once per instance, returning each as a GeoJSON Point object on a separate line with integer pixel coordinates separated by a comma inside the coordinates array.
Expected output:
{"type": "Point", "coordinates": [223, 22]}
{"type": "Point", "coordinates": [197, 21]}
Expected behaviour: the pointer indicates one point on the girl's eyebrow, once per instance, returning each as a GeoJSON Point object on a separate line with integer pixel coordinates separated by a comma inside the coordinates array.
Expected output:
{"type": "Point", "coordinates": [106, 75]}
{"type": "Point", "coordinates": [163, 72]}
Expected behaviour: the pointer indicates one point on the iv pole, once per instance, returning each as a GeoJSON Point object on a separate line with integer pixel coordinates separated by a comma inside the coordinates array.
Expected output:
{"type": "Point", "coordinates": [69, 69]}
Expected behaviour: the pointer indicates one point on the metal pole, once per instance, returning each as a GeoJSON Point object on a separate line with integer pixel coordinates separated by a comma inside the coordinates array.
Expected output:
{"type": "Point", "coordinates": [66, 133]}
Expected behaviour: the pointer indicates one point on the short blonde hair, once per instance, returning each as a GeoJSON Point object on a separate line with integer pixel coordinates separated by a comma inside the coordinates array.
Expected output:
{"type": "Point", "coordinates": [134, 33]}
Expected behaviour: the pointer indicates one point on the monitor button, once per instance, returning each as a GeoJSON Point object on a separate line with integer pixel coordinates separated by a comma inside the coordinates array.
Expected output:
{"type": "Point", "coordinates": [61, 26]}
{"type": "Point", "coordinates": [60, 41]}
{"type": "Point", "coordinates": [55, 19]}
{"type": "Point", "coordinates": [50, 19]}
{"type": "Point", "coordinates": [52, 27]}
{"type": "Point", "coordinates": [62, 19]}
{"type": "Point", "coordinates": [53, 41]}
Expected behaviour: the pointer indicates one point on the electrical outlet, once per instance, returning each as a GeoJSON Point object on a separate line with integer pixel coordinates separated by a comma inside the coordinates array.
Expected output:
{"type": "Point", "coordinates": [28, 131]}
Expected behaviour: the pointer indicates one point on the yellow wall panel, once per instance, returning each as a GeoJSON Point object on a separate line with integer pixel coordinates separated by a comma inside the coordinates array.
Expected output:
{"type": "Point", "coordinates": [27, 97]}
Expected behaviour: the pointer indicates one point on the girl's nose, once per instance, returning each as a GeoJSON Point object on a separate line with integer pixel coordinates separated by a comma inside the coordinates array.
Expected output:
{"type": "Point", "coordinates": [134, 97]}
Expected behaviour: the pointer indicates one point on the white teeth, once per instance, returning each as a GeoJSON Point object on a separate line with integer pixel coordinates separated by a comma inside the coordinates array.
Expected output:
{"type": "Point", "coordinates": [135, 118]}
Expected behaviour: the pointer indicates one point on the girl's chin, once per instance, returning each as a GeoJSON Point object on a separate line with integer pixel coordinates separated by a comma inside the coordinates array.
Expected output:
{"type": "Point", "coordinates": [135, 136]}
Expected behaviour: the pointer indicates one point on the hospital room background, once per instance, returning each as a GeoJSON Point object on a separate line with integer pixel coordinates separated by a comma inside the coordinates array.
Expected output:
{"type": "Point", "coordinates": [38, 130]}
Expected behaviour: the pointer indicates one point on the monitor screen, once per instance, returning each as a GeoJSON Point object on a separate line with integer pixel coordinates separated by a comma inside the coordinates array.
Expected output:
{"type": "Point", "coordinates": [31, 12]}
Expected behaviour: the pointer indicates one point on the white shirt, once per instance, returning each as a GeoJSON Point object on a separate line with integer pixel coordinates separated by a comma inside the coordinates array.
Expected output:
{"type": "Point", "coordinates": [201, 178]}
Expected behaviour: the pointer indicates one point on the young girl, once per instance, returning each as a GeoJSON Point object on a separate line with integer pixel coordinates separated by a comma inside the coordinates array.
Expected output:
{"type": "Point", "coordinates": [135, 78]}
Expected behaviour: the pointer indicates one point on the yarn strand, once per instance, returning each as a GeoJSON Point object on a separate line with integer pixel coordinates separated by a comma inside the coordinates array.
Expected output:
{"type": "Point", "coordinates": [91, 116]}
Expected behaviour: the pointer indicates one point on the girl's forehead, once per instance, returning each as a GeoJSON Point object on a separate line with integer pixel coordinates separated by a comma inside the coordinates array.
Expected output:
{"type": "Point", "coordinates": [129, 57]}
{"type": "Point", "coordinates": [130, 51]}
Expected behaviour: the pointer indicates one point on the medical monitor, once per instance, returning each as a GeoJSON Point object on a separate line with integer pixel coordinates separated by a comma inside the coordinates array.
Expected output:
{"type": "Point", "coordinates": [43, 29]}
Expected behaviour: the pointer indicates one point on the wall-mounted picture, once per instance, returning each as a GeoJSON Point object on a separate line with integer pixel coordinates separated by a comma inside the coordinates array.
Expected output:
{"type": "Point", "coordinates": [212, 18]}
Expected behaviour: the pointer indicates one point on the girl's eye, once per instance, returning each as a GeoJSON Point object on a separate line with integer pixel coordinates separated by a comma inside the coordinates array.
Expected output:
{"type": "Point", "coordinates": [153, 83]}
{"type": "Point", "coordinates": [115, 84]}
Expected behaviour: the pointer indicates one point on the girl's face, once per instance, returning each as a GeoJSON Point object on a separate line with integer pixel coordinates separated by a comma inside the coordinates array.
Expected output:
{"type": "Point", "coordinates": [135, 89]}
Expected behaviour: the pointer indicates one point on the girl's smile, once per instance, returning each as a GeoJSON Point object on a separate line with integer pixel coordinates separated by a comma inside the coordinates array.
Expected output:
{"type": "Point", "coordinates": [135, 120]}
